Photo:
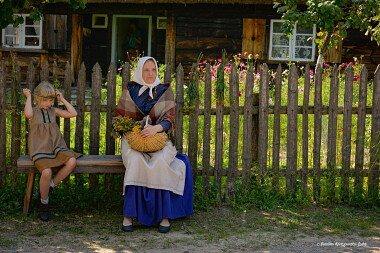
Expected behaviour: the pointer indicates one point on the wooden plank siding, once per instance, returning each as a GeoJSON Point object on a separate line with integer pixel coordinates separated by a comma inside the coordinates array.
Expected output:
{"type": "Point", "coordinates": [206, 35]}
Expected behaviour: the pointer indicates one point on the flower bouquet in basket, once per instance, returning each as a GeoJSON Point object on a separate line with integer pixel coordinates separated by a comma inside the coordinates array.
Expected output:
{"type": "Point", "coordinates": [131, 129]}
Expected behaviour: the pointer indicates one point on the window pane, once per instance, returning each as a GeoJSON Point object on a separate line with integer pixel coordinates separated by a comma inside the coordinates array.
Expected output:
{"type": "Point", "coordinates": [11, 40]}
{"type": "Point", "coordinates": [304, 29]}
{"type": "Point", "coordinates": [32, 31]}
{"type": "Point", "coordinates": [303, 53]}
{"type": "Point", "coordinates": [277, 27]}
{"type": "Point", "coordinates": [303, 40]}
{"type": "Point", "coordinates": [280, 39]}
{"type": "Point", "coordinates": [32, 41]}
{"type": "Point", "coordinates": [29, 21]}
{"type": "Point", "coordinates": [10, 30]}
{"type": "Point", "coordinates": [280, 52]}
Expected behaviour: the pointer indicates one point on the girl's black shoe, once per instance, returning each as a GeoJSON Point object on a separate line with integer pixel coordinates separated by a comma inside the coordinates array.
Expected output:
{"type": "Point", "coordinates": [44, 212]}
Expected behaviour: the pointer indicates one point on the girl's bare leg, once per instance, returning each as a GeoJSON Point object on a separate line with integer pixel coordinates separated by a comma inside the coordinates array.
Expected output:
{"type": "Point", "coordinates": [65, 170]}
{"type": "Point", "coordinates": [45, 183]}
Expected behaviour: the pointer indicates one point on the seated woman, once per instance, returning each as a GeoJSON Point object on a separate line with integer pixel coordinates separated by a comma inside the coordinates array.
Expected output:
{"type": "Point", "coordinates": [158, 186]}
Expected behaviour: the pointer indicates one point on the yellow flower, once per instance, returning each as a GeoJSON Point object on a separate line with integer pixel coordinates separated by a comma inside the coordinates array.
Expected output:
{"type": "Point", "coordinates": [136, 129]}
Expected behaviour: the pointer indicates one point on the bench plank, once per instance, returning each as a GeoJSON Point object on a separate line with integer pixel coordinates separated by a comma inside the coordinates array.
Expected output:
{"type": "Point", "coordinates": [85, 164]}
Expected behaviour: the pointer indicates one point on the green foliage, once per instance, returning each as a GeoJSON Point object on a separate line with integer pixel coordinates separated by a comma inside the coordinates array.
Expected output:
{"type": "Point", "coordinates": [34, 7]}
{"type": "Point", "coordinates": [192, 90]}
{"type": "Point", "coordinates": [335, 17]}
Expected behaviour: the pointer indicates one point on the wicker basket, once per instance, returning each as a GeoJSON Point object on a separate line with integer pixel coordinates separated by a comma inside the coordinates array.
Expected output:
{"type": "Point", "coordinates": [150, 144]}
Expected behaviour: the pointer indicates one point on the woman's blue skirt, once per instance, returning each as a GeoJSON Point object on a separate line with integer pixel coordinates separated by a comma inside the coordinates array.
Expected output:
{"type": "Point", "coordinates": [150, 206]}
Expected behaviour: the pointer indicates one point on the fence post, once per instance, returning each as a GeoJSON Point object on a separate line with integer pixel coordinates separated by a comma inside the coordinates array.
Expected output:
{"type": "Point", "coordinates": [3, 127]}
{"type": "Point", "coordinates": [359, 154]}
{"type": "Point", "coordinates": [126, 74]}
{"type": "Point", "coordinates": [67, 92]}
{"type": "Point", "coordinates": [44, 74]}
{"type": "Point", "coordinates": [16, 119]}
{"type": "Point", "coordinates": [206, 132]}
{"type": "Point", "coordinates": [193, 122]}
{"type": "Point", "coordinates": [219, 129]}
{"type": "Point", "coordinates": [373, 176]}
{"type": "Point", "coordinates": [346, 143]}
{"type": "Point", "coordinates": [168, 74]}
{"type": "Point", "coordinates": [291, 149]}
{"type": "Point", "coordinates": [80, 108]}
{"type": "Point", "coordinates": [255, 130]}
{"type": "Point", "coordinates": [95, 118]}
{"type": "Point", "coordinates": [305, 131]}
{"type": "Point", "coordinates": [263, 121]}
{"type": "Point", "coordinates": [276, 130]}
{"type": "Point", "coordinates": [179, 100]}
{"type": "Point", "coordinates": [331, 139]}
{"type": "Point", "coordinates": [317, 132]}
{"type": "Point", "coordinates": [247, 129]}
{"type": "Point", "coordinates": [111, 102]}
{"type": "Point", "coordinates": [234, 133]}
{"type": "Point", "coordinates": [30, 82]}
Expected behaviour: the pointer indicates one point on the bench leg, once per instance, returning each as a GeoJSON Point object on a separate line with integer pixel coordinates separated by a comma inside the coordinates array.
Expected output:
{"type": "Point", "coordinates": [28, 193]}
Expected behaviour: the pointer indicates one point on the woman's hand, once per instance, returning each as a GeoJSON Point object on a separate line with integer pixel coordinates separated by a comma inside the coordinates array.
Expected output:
{"type": "Point", "coordinates": [27, 92]}
{"type": "Point", "coordinates": [150, 130]}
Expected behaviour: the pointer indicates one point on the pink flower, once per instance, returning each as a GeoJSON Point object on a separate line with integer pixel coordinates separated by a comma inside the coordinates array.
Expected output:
{"type": "Point", "coordinates": [242, 64]}
{"type": "Point", "coordinates": [119, 69]}
{"type": "Point", "coordinates": [245, 53]}
{"type": "Point", "coordinates": [301, 90]}
{"type": "Point", "coordinates": [219, 60]}
{"type": "Point", "coordinates": [270, 101]}
{"type": "Point", "coordinates": [311, 72]}
{"type": "Point", "coordinates": [213, 78]}
{"type": "Point", "coordinates": [341, 129]}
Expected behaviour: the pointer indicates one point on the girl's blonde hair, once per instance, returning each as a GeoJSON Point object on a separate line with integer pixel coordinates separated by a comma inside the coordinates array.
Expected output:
{"type": "Point", "coordinates": [45, 90]}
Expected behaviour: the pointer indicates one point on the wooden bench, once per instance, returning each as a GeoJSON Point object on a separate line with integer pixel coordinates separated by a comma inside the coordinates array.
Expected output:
{"type": "Point", "coordinates": [86, 164]}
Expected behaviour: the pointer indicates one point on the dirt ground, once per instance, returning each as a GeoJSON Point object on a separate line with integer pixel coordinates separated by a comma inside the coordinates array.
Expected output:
{"type": "Point", "coordinates": [340, 229]}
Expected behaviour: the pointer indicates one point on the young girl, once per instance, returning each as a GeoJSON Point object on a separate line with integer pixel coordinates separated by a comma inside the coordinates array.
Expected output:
{"type": "Point", "coordinates": [46, 146]}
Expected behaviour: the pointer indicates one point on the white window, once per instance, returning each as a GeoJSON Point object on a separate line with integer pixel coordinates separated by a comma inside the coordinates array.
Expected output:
{"type": "Point", "coordinates": [298, 47]}
{"type": "Point", "coordinates": [26, 35]}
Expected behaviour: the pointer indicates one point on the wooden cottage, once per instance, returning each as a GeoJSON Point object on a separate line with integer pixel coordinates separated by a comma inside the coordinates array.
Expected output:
{"type": "Point", "coordinates": [171, 31]}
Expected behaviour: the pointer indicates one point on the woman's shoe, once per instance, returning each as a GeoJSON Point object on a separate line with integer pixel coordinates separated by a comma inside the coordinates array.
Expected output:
{"type": "Point", "coordinates": [163, 229]}
{"type": "Point", "coordinates": [129, 228]}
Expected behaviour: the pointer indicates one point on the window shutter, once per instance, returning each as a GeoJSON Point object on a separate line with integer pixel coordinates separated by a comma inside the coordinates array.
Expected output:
{"type": "Point", "coordinates": [253, 36]}
{"type": "Point", "coordinates": [56, 31]}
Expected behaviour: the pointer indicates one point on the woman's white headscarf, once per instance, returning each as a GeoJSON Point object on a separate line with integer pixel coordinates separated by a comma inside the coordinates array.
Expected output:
{"type": "Point", "coordinates": [138, 78]}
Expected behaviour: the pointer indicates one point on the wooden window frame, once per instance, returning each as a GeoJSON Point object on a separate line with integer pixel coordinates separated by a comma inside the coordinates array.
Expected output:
{"type": "Point", "coordinates": [22, 36]}
{"type": "Point", "coordinates": [292, 42]}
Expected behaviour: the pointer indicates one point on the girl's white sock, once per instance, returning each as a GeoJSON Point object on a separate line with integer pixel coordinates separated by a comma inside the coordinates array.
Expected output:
{"type": "Point", "coordinates": [45, 201]}
{"type": "Point", "coordinates": [52, 184]}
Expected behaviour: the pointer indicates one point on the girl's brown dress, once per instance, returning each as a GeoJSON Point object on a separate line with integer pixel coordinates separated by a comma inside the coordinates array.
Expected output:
{"type": "Point", "coordinates": [46, 146]}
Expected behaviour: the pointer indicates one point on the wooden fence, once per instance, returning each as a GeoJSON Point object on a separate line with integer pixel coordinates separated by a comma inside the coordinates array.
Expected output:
{"type": "Point", "coordinates": [255, 111]}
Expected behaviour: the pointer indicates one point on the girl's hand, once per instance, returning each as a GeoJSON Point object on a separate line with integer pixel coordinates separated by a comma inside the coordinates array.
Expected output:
{"type": "Point", "coordinates": [59, 95]}
{"type": "Point", "coordinates": [27, 92]}
{"type": "Point", "coordinates": [150, 130]}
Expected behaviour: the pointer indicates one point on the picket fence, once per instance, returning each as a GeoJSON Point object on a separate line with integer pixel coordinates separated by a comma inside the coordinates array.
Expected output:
{"type": "Point", "coordinates": [255, 111]}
